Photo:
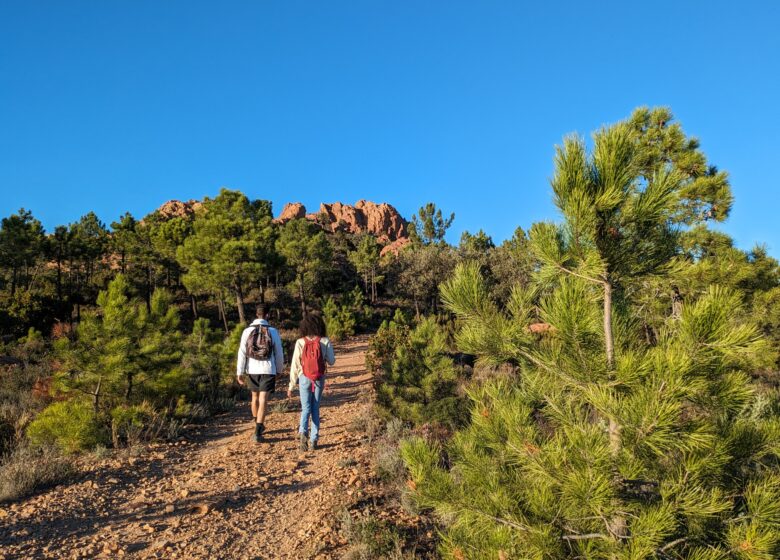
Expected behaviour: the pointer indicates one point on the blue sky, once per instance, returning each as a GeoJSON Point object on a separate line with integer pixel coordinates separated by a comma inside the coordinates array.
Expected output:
{"type": "Point", "coordinates": [116, 106]}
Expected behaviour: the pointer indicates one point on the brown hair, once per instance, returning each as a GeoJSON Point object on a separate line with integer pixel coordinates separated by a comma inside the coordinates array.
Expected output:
{"type": "Point", "coordinates": [313, 325]}
{"type": "Point", "coordinates": [262, 310]}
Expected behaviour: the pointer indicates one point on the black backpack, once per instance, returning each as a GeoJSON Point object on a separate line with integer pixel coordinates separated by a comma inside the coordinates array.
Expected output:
{"type": "Point", "coordinates": [260, 345]}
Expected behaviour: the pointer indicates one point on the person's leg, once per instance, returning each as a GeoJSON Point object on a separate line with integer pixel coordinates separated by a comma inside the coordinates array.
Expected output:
{"type": "Point", "coordinates": [255, 397]}
{"type": "Point", "coordinates": [315, 410]}
{"type": "Point", "coordinates": [304, 389]}
{"type": "Point", "coordinates": [258, 428]}
{"type": "Point", "coordinates": [261, 404]}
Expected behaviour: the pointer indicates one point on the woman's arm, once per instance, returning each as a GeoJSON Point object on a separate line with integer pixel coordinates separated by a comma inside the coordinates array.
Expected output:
{"type": "Point", "coordinates": [330, 357]}
{"type": "Point", "coordinates": [295, 366]}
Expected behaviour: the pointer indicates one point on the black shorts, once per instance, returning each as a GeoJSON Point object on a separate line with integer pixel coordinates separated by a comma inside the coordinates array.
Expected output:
{"type": "Point", "coordinates": [261, 383]}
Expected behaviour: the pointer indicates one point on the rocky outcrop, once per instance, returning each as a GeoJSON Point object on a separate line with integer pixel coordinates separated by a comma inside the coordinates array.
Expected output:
{"type": "Point", "coordinates": [395, 247]}
{"type": "Point", "coordinates": [381, 220]}
{"type": "Point", "coordinates": [178, 209]}
{"type": "Point", "coordinates": [292, 211]}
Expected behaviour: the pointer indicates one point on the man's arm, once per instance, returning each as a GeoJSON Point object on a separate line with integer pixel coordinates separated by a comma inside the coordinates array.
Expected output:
{"type": "Point", "coordinates": [294, 368]}
{"type": "Point", "coordinates": [278, 352]}
{"type": "Point", "coordinates": [241, 359]}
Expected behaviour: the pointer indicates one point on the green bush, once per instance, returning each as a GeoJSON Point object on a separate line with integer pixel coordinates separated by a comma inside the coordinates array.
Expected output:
{"type": "Point", "coordinates": [417, 381]}
{"type": "Point", "coordinates": [339, 319]}
{"type": "Point", "coordinates": [390, 335]}
{"type": "Point", "coordinates": [70, 425]}
{"type": "Point", "coordinates": [129, 424]}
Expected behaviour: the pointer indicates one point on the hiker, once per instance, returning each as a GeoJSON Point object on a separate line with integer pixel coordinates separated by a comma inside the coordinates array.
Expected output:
{"type": "Point", "coordinates": [260, 358]}
{"type": "Point", "coordinates": [307, 368]}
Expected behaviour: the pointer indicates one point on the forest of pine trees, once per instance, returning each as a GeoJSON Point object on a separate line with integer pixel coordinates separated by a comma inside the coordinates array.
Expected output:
{"type": "Point", "coordinates": [604, 385]}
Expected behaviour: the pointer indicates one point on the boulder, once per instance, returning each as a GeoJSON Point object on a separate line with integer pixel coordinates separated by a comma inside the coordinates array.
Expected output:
{"type": "Point", "coordinates": [291, 211]}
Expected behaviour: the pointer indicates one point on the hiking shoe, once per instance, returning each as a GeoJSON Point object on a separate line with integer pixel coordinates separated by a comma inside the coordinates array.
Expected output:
{"type": "Point", "coordinates": [303, 445]}
{"type": "Point", "coordinates": [258, 437]}
{"type": "Point", "coordinates": [312, 446]}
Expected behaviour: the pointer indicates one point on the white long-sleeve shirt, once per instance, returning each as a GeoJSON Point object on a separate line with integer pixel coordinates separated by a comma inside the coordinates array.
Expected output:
{"type": "Point", "coordinates": [296, 369]}
{"type": "Point", "coordinates": [245, 365]}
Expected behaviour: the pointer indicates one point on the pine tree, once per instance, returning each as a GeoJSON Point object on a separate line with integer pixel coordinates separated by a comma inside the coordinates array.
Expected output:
{"type": "Point", "coordinates": [429, 226]}
{"type": "Point", "coordinates": [121, 349]}
{"type": "Point", "coordinates": [21, 244]}
{"type": "Point", "coordinates": [308, 253]}
{"type": "Point", "coordinates": [606, 446]}
{"type": "Point", "coordinates": [365, 259]}
{"type": "Point", "coordinates": [230, 247]}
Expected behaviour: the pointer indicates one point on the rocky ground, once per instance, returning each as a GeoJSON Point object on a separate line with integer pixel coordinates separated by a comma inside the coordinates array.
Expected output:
{"type": "Point", "coordinates": [213, 493]}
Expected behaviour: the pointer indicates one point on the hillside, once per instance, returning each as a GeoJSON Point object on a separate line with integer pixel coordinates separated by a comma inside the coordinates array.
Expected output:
{"type": "Point", "coordinates": [211, 493]}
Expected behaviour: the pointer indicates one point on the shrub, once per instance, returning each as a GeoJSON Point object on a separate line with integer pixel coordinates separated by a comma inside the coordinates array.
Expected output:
{"type": "Point", "coordinates": [339, 319]}
{"type": "Point", "coordinates": [418, 381]}
{"type": "Point", "coordinates": [390, 335]}
{"type": "Point", "coordinates": [70, 425]}
{"type": "Point", "coordinates": [134, 424]}
{"type": "Point", "coordinates": [370, 538]}
{"type": "Point", "coordinates": [18, 402]}
{"type": "Point", "coordinates": [27, 470]}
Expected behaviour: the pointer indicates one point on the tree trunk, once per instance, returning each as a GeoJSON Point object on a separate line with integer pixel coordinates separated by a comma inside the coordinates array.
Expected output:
{"type": "Point", "coordinates": [59, 279]}
{"type": "Point", "coordinates": [240, 303]}
{"type": "Point", "coordinates": [194, 303]}
{"type": "Point", "coordinates": [302, 294]}
{"type": "Point", "coordinates": [129, 390]}
{"type": "Point", "coordinates": [261, 288]}
{"type": "Point", "coordinates": [609, 342]}
{"type": "Point", "coordinates": [221, 307]}
{"type": "Point", "coordinates": [617, 525]}
{"type": "Point", "coordinates": [373, 285]}
{"type": "Point", "coordinates": [149, 288]}
{"type": "Point", "coordinates": [96, 395]}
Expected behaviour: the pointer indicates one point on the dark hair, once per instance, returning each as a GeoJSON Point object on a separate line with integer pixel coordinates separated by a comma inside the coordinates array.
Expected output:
{"type": "Point", "coordinates": [262, 310]}
{"type": "Point", "coordinates": [313, 325]}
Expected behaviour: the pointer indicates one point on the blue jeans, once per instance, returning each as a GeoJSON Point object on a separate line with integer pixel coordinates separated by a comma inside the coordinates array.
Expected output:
{"type": "Point", "coordinates": [310, 405]}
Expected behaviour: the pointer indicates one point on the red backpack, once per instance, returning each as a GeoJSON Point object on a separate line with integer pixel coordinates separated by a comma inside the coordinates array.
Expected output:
{"type": "Point", "coordinates": [312, 360]}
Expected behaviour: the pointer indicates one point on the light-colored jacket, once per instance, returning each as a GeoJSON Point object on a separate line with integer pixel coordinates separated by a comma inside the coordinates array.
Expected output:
{"type": "Point", "coordinates": [296, 369]}
{"type": "Point", "coordinates": [272, 366]}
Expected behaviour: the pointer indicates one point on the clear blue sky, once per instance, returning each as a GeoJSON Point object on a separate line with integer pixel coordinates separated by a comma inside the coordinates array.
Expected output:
{"type": "Point", "coordinates": [122, 105]}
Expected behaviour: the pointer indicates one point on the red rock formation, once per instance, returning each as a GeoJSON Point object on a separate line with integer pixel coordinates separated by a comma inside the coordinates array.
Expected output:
{"type": "Point", "coordinates": [395, 247]}
{"type": "Point", "coordinates": [381, 220]}
{"type": "Point", "coordinates": [178, 209]}
{"type": "Point", "coordinates": [345, 217]}
{"type": "Point", "coordinates": [291, 211]}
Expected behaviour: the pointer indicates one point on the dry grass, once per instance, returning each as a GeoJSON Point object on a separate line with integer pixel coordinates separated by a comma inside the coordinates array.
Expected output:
{"type": "Point", "coordinates": [26, 471]}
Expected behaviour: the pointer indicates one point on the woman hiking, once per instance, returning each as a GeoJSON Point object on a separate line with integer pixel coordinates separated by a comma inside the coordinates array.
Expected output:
{"type": "Point", "coordinates": [313, 353]}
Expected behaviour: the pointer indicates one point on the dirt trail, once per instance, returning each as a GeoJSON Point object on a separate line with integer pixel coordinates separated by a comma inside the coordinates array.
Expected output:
{"type": "Point", "coordinates": [213, 493]}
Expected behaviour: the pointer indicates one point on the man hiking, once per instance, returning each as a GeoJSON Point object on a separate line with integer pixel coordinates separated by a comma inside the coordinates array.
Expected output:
{"type": "Point", "coordinates": [260, 358]}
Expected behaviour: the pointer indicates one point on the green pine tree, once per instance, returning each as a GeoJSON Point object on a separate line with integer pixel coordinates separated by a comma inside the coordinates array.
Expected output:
{"type": "Point", "coordinates": [230, 248]}
{"type": "Point", "coordinates": [308, 253]}
{"type": "Point", "coordinates": [365, 259]}
{"type": "Point", "coordinates": [606, 446]}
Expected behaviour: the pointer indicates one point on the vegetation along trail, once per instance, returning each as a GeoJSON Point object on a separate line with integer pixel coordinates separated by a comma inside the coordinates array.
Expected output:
{"type": "Point", "coordinates": [212, 493]}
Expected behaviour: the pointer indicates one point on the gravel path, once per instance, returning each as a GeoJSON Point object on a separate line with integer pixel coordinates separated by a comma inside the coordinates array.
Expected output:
{"type": "Point", "coordinates": [213, 493]}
